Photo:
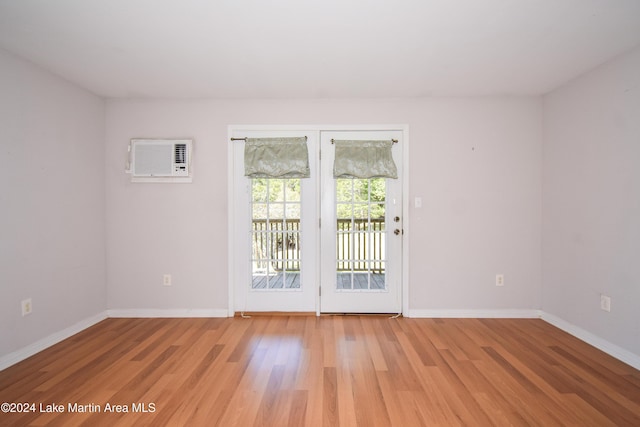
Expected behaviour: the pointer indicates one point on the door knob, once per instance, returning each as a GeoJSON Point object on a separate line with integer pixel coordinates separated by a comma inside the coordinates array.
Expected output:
{"type": "Point", "coordinates": [396, 231]}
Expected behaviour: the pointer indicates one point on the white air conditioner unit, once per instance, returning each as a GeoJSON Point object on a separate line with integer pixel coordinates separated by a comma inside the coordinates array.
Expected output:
{"type": "Point", "coordinates": [160, 160]}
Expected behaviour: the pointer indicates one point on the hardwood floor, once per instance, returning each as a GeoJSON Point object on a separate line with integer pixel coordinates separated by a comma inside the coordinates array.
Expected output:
{"type": "Point", "coordinates": [326, 371]}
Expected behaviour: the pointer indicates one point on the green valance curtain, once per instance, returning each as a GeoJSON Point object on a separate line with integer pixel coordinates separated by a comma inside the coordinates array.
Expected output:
{"type": "Point", "coordinates": [276, 158]}
{"type": "Point", "coordinates": [364, 159]}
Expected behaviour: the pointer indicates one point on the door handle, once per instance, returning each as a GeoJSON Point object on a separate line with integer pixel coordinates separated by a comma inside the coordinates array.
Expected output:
{"type": "Point", "coordinates": [396, 231]}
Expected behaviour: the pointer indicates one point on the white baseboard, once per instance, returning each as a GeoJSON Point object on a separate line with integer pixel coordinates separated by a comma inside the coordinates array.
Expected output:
{"type": "Point", "coordinates": [152, 312]}
{"type": "Point", "coordinates": [46, 342]}
{"type": "Point", "coordinates": [477, 314]}
{"type": "Point", "coordinates": [613, 350]}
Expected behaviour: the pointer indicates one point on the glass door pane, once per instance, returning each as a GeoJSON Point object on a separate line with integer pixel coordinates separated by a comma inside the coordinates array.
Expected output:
{"type": "Point", "coordinates": [275, 234]}
{"type": "Point", "coordinates": [360, 234]}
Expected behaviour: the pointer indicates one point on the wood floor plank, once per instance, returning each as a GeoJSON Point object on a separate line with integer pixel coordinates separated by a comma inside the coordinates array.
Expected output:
{"type": "Point", "coordinates": [298, 409]}
{"type": "Point", "coordinates": [370, 335]}
{"type": "Point", "coordinates": [331, 402]}
{"type": "Point", "coordinates": [465, 405]}
{"type": "Point", "coordinates": [314, 371]}
{"type": "Point", "coordinates": [401, 405]}
{"type": "Point", "coordinates": [347, 407]}
{"type": "Point", "coordinates": [585, 414]}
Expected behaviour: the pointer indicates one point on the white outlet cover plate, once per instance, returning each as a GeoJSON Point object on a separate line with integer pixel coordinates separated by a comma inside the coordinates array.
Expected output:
{"type": "Point", "coordinates": [27, 307]}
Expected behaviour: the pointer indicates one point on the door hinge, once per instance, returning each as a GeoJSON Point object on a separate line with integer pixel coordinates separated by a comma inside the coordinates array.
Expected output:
{"type": "Point", "coordinates": [320, 291]}
{"type": "Point", "coordinates": [319, 222]}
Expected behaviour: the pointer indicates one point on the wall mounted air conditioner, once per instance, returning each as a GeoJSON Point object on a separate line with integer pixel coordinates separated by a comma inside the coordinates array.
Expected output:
{"type": "Point", "coordinates": [160, 160]}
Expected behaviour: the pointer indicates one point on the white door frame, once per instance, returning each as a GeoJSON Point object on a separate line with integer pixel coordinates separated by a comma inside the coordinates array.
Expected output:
{"type": "Point", "coordinates": [236, 130]}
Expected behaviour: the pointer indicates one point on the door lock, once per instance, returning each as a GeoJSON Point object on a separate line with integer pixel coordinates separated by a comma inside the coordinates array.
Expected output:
{"type": "Point", "coordinates": [396, 219]}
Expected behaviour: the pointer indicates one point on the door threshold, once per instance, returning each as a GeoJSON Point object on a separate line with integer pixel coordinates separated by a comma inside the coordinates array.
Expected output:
{"type": "Point", "coordinates": [273, 313]}
{"type": "Point", "coordinates": [394, 315]}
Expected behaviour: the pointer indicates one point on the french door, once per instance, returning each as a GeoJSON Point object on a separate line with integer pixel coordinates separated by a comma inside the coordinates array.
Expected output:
{"type": "Point", "coordinates": [316, 244]}
{"type": "Point", "coordinates": [274, 234]}
{"type": "Point", "coordinates": [361, 234]}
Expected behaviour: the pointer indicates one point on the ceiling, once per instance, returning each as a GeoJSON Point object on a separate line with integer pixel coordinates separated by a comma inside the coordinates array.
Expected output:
{"type": "Point", "coordinates": [318, 48]}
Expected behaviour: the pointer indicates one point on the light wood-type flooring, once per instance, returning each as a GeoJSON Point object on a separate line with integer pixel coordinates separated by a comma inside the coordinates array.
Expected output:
{"type": "Point", "coordinates": [323, 371]}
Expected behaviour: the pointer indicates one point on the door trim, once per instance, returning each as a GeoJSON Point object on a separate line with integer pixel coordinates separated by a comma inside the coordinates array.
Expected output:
{"type": "Point", "coordinates": [231, 177]}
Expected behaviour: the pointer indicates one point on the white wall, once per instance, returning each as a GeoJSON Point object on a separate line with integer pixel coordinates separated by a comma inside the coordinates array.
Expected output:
{"type": "Point", "coordinates": [52, 209]}
{"type": "Point", "coordinates": [475, 163]}
{"type": "Point", "coordinates": [591, 215]}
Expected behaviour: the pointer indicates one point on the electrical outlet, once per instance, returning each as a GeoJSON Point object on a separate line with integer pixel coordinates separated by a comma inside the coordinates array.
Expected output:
{"type": "Point", "coordinates": [605, 302]}
{"type": "Point", "coordinates": [499, 279]}
{"type": "Point", "coordinates": [26, 306]}
{"type": "Point", "coordinates": [166, 280]}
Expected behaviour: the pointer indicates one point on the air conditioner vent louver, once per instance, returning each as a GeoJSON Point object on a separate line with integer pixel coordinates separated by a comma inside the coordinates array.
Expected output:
{"type": "Point", "coordinates": [181, 153]}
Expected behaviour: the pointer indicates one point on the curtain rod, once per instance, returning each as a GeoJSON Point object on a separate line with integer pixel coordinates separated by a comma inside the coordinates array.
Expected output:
{"type": "Point", "coordinates": [245, 138]}
{"type": "Point", "coordinates": [395, 141]}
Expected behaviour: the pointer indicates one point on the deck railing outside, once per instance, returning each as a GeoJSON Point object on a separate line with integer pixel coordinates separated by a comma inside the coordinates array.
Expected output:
{"type": "Point", "coordinates": [270, 239]}
{"type": "Point", "coordinates": [282, 248]}
{"type": "Point", "coordinates": [368, 245]}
